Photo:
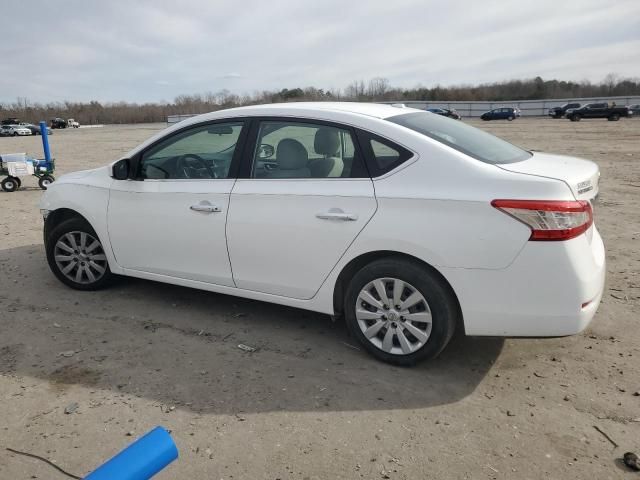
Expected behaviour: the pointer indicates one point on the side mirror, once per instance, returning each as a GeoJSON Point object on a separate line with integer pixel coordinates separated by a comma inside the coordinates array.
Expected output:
{"type": "Point", "coordinates": [265, 151]}
{"type": "Point", "coordinates": [120, 169]}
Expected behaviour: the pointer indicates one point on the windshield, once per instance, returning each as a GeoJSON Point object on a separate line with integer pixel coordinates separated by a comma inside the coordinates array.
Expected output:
{"type": "Point", "coordinates": [464, 138]}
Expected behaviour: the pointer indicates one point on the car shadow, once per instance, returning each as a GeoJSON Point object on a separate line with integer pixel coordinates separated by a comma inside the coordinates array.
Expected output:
{"type": "Point", "coordinates": [209, 352]}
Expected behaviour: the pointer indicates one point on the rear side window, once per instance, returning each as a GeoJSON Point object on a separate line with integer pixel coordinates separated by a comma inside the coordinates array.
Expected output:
{"type": "Point", "coordinates": [297, 149]}
{"type": "Point", "coordinates": [466, 139]}
{"type": "Point", "coordinates": [382, 154]}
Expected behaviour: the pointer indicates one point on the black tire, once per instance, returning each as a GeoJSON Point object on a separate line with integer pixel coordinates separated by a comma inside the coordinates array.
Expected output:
{"type": "Point", "coordinates": [18, 181]}
{"type": "Point", "coordinates": [614, 117]}
{"type": "Point", "coordinates": [9, 184]}
{"type": "Point", "coordinates": [441, 302]}
{"type": "Point", "coordinates": [510, 118]}
{"type": "Point", "coordinates": [75, 226]}
{"type": "Point", "coordinates": [14, 134]}
{"type": "Point", "coordinates": [45, 181]}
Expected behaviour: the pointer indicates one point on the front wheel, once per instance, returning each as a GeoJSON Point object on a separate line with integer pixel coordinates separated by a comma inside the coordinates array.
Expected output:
{"type": "Point", "coordinates": [400, 312]}
{"type": "Point", "coordinates": [76, 256]}
{"type": "Point", "coordinates": [614, 118]}
{"type": "Point", "coordinates": [45, 181]}
{"type": "Point", "coordinates": [510, 118]}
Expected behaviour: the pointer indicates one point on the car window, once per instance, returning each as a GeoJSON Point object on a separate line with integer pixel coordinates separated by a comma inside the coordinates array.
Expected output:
{"type": "Point", "coordinates": [203, 152]}
{"type": "Point", "coordinates": [382, 154]}
{"type": "Point", "coordinates": [286, 149]}
{"type": "Point", "coordinates": [466, 139]}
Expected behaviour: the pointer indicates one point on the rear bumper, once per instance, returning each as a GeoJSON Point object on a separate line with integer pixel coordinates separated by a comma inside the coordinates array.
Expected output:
{"type": "Point", "coordinates": [551, 289]}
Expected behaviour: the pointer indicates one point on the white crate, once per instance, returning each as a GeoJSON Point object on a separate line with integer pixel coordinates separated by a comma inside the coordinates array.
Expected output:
{"type": "Point", "coordinates": [13, 157]}
{"type": "Point", "coordinates": [20, 169]}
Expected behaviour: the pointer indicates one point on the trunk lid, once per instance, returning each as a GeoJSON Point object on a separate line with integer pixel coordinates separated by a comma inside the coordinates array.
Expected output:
{"type": "Point", "coordinates": [582, 176]}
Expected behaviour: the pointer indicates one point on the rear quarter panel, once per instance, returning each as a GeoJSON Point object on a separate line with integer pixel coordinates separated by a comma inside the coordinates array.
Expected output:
{"type": "Point", "coordinates": [439, 209]}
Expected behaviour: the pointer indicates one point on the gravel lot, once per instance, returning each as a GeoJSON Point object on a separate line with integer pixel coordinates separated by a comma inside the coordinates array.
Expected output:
{"type": "Point", "coordinates": [306, 404]}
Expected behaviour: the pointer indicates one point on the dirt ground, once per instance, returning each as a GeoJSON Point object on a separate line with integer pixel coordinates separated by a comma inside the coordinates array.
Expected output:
{"type": "Point", "coordinates": [307, 404]}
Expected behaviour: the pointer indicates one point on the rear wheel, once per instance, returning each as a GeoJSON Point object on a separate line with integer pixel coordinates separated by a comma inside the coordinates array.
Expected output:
{"type": "Point", "coordinates": [510, 118]}
{"type": "Point", "coordinates": [76, 255]}
{"type": "Point", "coordinates": [614, 117]}
{"type": "Point", "coordinates": [399, 311]}
{"type": "Point", "coordinates": [575, 118]}
{"type": "Point", "coordinates": [10, 184]}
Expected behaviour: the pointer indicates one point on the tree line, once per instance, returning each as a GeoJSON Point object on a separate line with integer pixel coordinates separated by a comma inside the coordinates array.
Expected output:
{"type": "Point", "coordinates": [376, 89]}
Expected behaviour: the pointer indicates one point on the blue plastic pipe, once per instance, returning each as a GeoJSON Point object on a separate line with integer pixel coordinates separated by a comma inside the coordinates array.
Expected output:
{"type": "Point", "coordinates": [45, 141]}
{"type": "Point", "coordinates": [141, 460]}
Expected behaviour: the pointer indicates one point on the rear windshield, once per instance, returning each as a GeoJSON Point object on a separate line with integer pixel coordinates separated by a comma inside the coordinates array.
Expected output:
{"type": "Point", "coordinates": [462, 137]}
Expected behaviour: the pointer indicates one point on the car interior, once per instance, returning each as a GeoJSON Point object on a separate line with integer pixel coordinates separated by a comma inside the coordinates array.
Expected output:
{"type": "Point", "coordinates": [303, 151]}
{"type": "Point", "coordinates": [202, 153]}
{"type": "Point", "coordinates": [283, 150]}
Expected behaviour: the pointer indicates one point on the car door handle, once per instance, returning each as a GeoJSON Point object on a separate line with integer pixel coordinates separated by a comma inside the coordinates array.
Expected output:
{"type": "Point", "coordinates": [206, 208]}
{"type": "Point", "coordinates": [337, 214]}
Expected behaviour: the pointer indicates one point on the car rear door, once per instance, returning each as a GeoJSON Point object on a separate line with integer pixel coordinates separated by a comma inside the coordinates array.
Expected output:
{"type": "Point", "coordinates": [171, 220]}
{"type": "Point", "coordinates": [303, 197]}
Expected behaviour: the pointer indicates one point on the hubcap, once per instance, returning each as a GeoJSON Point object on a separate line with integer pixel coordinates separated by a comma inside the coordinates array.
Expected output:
{"type": "Point", "coordinates": [80, 257]}
{"type": "Point", "coordinates": [394, 316]}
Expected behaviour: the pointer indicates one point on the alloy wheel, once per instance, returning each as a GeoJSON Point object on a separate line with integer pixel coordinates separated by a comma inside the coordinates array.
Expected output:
{"type": "Point", "coordinates": [80, 257]}
{"type": "Point", "coordinates": [394, 316]}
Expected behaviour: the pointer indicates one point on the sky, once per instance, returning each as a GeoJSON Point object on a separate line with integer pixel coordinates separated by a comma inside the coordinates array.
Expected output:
{"type": "Point", "coordinates": [154, 50]}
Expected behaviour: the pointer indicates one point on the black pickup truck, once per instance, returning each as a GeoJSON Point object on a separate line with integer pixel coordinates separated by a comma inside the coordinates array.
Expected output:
{"type": "Point", "coordinates": [558, 112]}
{"type": "Point", "coordinates": [598, 110]}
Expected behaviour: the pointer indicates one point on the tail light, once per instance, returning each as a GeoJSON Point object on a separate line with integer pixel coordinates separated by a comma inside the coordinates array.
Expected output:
{"type": "Point", "coordinates": [549, 220]}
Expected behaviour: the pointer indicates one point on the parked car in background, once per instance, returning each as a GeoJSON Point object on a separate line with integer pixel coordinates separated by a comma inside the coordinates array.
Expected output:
{"type": "Point", "coordinates": [502, 113]}
{"type": "Point", "coordinates": [635, 109]}
{"type": "Point", "coordinates": [404, 223]}
{"type": "Point", "coordinates": [558, 112]}
{"type": "Point", "coordinates": [35, 129]}
{"type": "Point", "coordinates": [446, 112]}
{"type": "Point", "coordinates": [14, 131]}
{"type": "Point", "coordinates": [10, 121]}
{"type": "Point", "coordinates": [58, 123]}
{"type": "Point", "coordinates": [598, 110]}
{"type": "Point", "coordinates": [71, 123]}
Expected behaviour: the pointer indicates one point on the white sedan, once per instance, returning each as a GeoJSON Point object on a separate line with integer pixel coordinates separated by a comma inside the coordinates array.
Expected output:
{"type": "Point", "coordinates": [407, 224]}
{"type": "Point", "coordinates": [15, 131]}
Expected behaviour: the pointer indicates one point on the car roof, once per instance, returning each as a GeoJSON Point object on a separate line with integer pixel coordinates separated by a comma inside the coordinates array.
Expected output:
{"type": "Point", "coordinates": [376, 110]}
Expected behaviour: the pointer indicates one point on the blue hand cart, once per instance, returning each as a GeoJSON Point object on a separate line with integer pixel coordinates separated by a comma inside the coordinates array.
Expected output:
{"type": "Point", "coordinates": [16, 165]}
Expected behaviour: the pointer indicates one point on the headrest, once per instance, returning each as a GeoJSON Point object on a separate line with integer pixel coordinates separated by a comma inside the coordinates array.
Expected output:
{"type": "Point", "coordinates": [291, 154]}
{"type": "Point", "coordinates": [326, 141]}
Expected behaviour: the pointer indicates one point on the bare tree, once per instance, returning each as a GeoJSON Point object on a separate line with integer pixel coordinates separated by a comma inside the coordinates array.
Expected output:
{"type": "Point", "coordinates": [378, 86]}
{"type": "Point", "coordinates": [375, 89]}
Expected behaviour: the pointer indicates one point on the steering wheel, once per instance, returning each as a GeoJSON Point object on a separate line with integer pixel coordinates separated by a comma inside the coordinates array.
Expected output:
{"type": "Point", "coordinates": [191, 165]}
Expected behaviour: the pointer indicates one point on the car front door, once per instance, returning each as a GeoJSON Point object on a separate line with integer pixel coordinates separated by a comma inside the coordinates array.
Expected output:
{"type": "Point", "coordinates": [594, 110]}
{"type": "Point", "coordinates": [303, 197]}
{"type": "Point", "coordinates": [171, 219]}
